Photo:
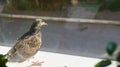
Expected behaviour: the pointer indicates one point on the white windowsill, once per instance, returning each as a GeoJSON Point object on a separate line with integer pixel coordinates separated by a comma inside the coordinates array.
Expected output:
{"type": "Point", "coordinates": [55, 60]}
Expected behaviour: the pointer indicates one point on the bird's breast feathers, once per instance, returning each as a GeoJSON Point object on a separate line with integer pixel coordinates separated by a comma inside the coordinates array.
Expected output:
{"type": "Point", "coordinates": [31, 43]}
{"type": "Point", "coordinates": [27, 47]}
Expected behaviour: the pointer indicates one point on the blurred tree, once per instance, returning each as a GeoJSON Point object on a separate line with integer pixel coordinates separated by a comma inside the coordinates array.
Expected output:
{"type": "Point", "coordinates": [37, 4]}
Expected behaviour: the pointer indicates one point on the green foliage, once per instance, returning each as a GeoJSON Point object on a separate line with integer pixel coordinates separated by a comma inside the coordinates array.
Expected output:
{"type": "Point", "coordinates": [21, 4]}
{"type": "Point", "coordinates": [103, 63]}
{"type": "Point", "coordinates": [118, 57]}
{"type": "Point", "coordinates": [38, 4]}
{"type": "Point", "coordinates": [111, 47]}
{"type": "Point", "coordinates": [118, 65]}
{"type": "Point", "coordinates": [24, 5]}
{"type": "Point", "coordinates": [3, 60]}
{"type": "Point", "coordinates": [114, 6]}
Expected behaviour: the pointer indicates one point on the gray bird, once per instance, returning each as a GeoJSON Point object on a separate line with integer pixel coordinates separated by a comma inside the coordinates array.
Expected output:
{"type": "Point", "coordinates": [28, 44]}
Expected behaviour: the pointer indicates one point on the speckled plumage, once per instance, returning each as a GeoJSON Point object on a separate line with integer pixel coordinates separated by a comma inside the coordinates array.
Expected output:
{"type": "Point", "coordinates": [28, 44]}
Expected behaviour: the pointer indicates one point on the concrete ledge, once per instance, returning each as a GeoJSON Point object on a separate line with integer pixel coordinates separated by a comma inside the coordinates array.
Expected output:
{"type": "Point", "coordinates": [77, 20]}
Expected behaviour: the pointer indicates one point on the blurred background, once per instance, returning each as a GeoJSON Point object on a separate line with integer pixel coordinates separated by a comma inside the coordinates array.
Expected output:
{"type": "Point", "coordinates": [80, 39]}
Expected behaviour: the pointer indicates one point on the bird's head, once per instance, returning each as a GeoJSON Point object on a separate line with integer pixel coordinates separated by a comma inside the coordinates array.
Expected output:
{"type": "Point", "coordinates": [38, 24]}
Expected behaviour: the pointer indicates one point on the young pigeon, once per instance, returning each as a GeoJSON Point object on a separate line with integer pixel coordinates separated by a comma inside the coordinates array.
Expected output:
{"type": "Point", "coordinates": [28, 44]}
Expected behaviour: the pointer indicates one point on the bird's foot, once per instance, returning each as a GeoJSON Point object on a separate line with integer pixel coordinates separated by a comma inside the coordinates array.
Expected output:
{"type": "Point", "coordinates": [37, 63]}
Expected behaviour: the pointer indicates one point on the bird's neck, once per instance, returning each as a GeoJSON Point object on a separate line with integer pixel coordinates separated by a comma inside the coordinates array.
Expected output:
{"type": "Point", "coordinates": [34, 31]}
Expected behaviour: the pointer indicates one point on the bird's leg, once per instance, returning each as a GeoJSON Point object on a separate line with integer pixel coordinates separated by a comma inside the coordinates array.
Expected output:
{"type": "Point", "coordinates": [37, 63]}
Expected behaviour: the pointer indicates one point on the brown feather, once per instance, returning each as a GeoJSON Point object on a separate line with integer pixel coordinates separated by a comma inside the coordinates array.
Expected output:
{"type": "Point", "coordinates": [27, 45]}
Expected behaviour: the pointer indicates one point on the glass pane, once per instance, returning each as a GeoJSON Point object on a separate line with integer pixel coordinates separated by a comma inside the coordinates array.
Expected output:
{"type": "Point", "coordinates": [63, 37]}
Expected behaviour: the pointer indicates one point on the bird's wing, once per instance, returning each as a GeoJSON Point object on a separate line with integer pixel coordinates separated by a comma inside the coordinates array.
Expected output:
{"type": "Point", "coordinates": [26, 47]}
{"type": "Point", "coordinates": [26, 35]}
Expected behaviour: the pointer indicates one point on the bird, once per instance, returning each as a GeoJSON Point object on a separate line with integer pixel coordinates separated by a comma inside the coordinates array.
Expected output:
{"type": "Point", "coordinates": [28, 44]}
